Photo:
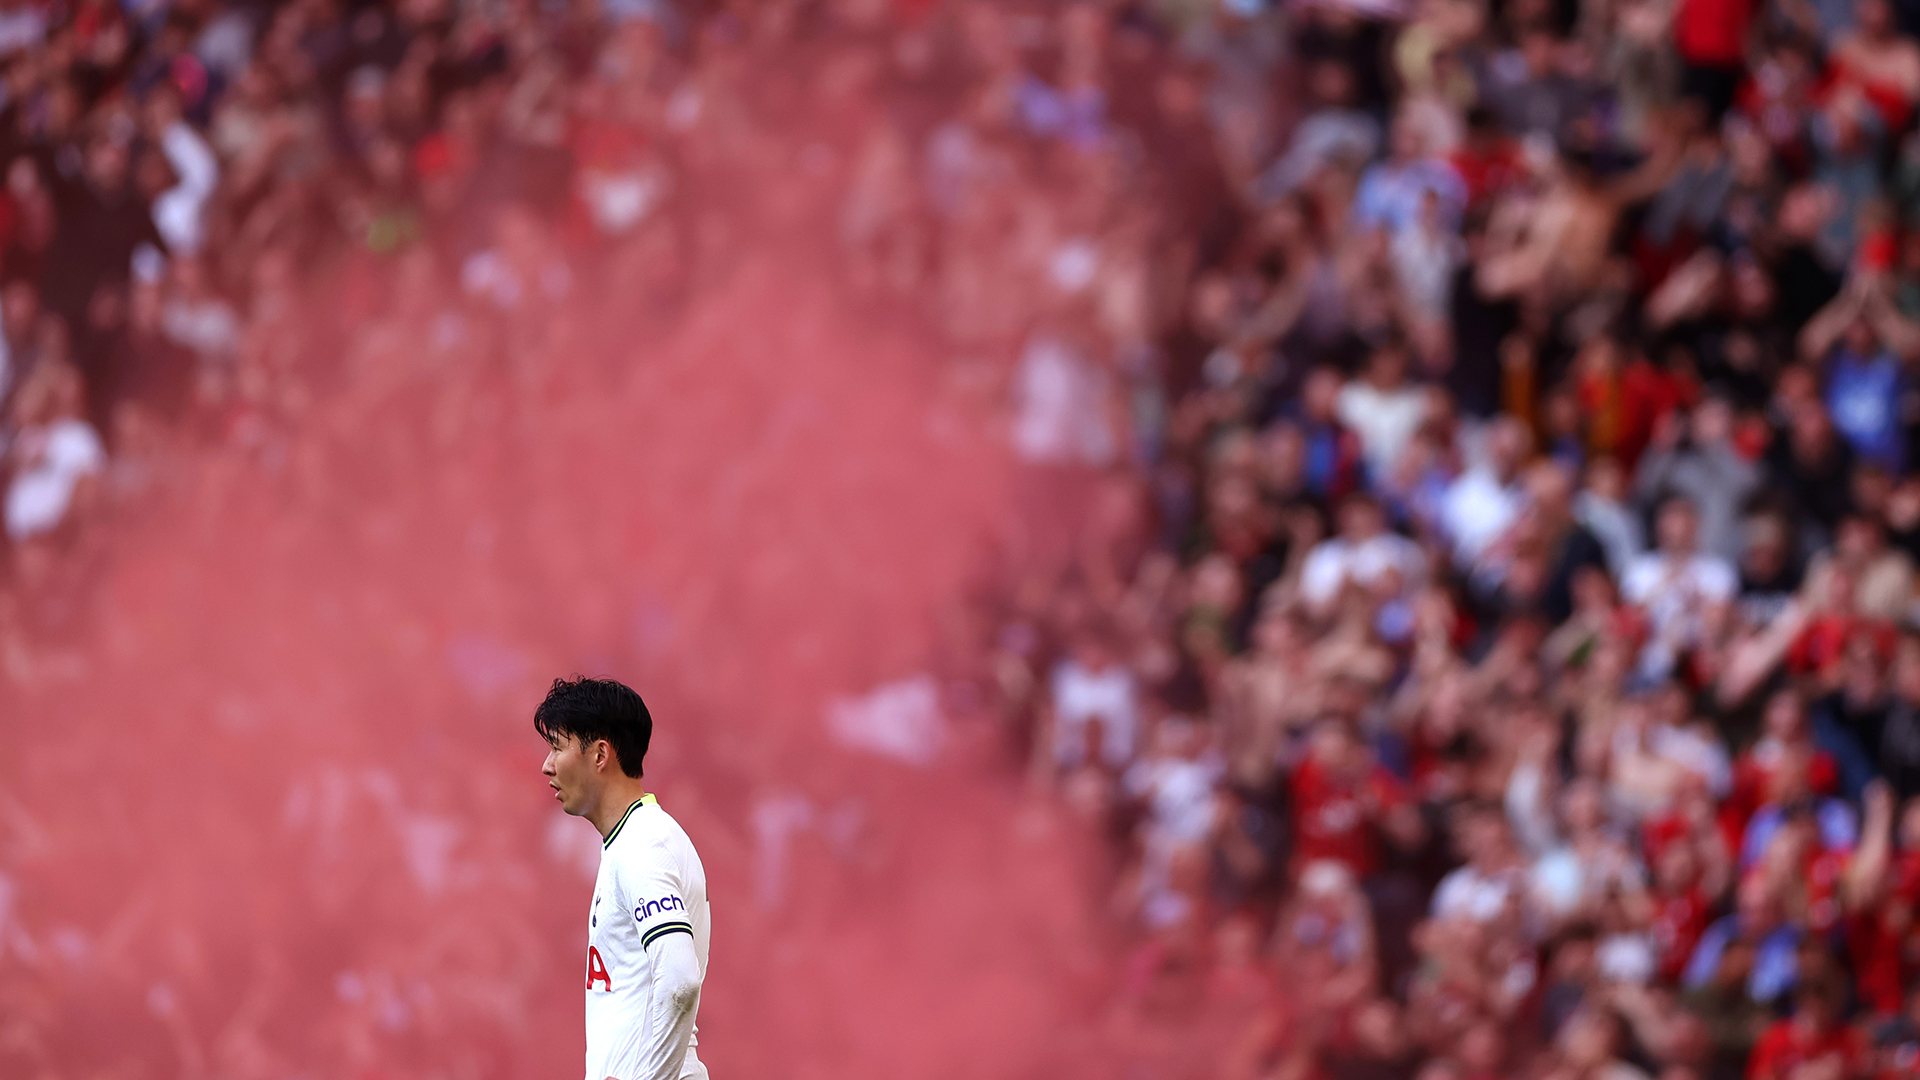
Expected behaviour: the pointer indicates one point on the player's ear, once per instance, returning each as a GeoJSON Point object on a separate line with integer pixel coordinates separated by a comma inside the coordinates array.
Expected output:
{"type": "Point", "coordinates": [602, 752]}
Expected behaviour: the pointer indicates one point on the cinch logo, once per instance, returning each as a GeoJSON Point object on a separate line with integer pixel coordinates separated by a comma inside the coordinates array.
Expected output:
{"type": "Point", "coordinates": [648, 908]}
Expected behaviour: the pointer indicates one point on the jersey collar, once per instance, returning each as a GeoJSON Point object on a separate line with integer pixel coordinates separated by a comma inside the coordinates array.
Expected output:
{"type": "Point", "coordinates": [644, 800]}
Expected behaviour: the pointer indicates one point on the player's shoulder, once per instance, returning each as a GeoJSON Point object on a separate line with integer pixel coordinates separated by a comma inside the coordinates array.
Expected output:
{"type": "Point", "coordinates": [646, 827]}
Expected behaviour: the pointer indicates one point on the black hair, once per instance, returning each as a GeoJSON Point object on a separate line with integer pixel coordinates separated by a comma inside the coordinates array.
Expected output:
{"type": "Point", "coordinates": [595, 709]}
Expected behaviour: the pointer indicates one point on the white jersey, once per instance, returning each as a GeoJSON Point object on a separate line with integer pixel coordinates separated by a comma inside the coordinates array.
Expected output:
{"type": "Point", "coordinates": [650, 886]}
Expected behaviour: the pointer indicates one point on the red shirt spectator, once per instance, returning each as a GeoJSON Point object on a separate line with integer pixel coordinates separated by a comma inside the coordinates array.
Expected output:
{"type": "Point", "coordinates": [1679, 919]}
{"type": "Point", "coordinates": [1808, 1035]}
{"type": "Point", "coordinates": [1825, 640]}
{"type": "Point", "coordinates": [1487, 159]}
{"type": "Point", "coordinates": [1783, 763]}
{"type": "Point", "coordinates": [1624, 401]}
{"type": "Point", "coordinates": [1341, 798]}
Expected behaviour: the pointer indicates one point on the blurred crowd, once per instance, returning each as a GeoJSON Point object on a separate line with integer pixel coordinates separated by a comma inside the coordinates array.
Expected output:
{"type": "Point", "coordinates": [1490, 637]}
{"type": "Point", "coordinates": [1469, 561]}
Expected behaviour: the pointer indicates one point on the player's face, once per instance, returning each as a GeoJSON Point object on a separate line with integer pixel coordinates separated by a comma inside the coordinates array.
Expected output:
{"type": "Point", "coordinates": [569, 772]}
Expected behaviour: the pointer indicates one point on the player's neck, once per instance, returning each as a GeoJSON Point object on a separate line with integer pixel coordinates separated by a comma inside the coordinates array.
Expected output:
{"type": "Point", "coordinates": [615, 801]}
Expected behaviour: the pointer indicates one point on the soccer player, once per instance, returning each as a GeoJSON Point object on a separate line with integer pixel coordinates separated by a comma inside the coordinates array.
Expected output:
{"type": "Point", "coordinates": [648, 929]}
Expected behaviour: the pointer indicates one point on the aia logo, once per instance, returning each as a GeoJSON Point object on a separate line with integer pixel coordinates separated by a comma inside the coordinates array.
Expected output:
{"type": "Point", "coordinates": [597, 969]}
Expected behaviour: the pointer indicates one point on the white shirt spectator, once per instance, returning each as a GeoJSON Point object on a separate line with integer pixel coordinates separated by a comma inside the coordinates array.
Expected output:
{"type": "Point", "coordinates": [1385, 420]}
{"type": "Point", "coordinates": [1082, 697]}
{"type": "Point", "coordinates": [1177, 782]}
{"type": "Point", "coordinates": [179, 213]}
{"type": "Point", "coordinates": [1674, 592]}
{"type": "Point", "coordinates": [1335, 562]}
{"type": "Point", "coordinates": [1180, 797]}
{"type": "Point", "coordinates": [57, 456]}
{"type": "Point", "coordinates": [1424, 259]}
{"type": "Point", "coordinates": [1061, 398]}
{"type": "Point", "coordinates": [1476, 510]}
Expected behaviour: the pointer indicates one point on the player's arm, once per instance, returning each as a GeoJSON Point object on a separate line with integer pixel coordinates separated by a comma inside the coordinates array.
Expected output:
{"type": "Point", "coordinates": [670, 1009]}
{"type": "Point", "coordinates": [657, 1048]}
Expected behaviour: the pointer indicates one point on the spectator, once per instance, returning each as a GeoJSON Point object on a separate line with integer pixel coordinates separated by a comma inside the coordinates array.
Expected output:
{"type": "Point", "coordinates": [1492, 883]}
{"type": "Point", "coordinates": [1393, 192]}
{"type": "Point", "coordinates": [1677, 585]}
{"type": "Point", "coordinates": [1811, 1039]}
{"type": "Point", "coordinates": [1383, 409]}
{"type": "Point", "coordinates": [1484, 501]}
{"type": "Point", "coordinates": [1863, 373]}
{"type": "Point", "coordinates": [1176, 782]}
{"type": "Point", "coordinates": [1601, 508]}
{"type": "Point", "coordinates": [1364, 555]}
{"type": "Point", "coordinates": [1335, 131]}
{"type": "Point", "coordinates": [1332, 450]}
{"type": "Point", "coordinates": [1693, 457]}
{"type": "Point", "coordinates": [1094, 708]}
{"type": "Point", "coordinates": [197, 320]}
{"type": "Point", "coordinates": [1758, 936]}
{"type": "Point", "coordinates": [1611, 265]}
{"type": "Point", "coordinates": [1346, 806]}
{"type": "Point", "coordinates": [54, 452]}
{"type": "Point", "coordinates": [179, 213]}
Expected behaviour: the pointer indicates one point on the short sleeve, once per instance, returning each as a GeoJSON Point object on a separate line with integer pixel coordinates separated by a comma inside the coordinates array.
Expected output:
{"type": "Point", "coordinates": [654, 895]}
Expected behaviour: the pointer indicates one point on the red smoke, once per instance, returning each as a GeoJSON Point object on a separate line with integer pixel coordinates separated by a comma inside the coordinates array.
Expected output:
{"type": "Point", "coordinates": [269, 805]}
